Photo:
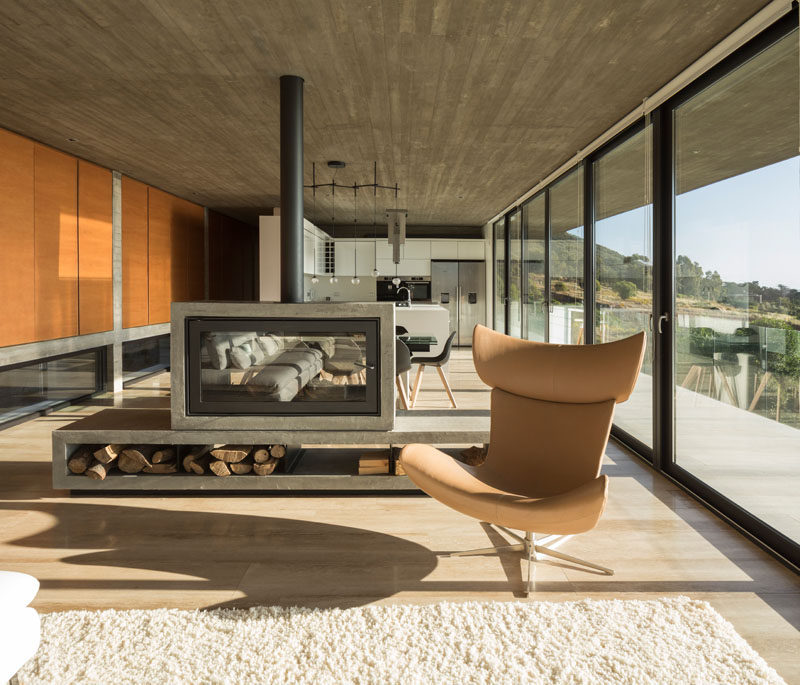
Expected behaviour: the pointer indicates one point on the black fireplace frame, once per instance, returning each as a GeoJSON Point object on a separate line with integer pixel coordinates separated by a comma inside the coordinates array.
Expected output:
{"type": "Point", "coordinates": [195, 326]}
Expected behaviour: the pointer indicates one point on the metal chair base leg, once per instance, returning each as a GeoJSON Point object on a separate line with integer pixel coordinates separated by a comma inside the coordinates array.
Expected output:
{"type": "Point", "coordinates": [488, 550]}
{"type": "Point", "coordinates": [574, 560]}
{"type": "Point", "coordinates": [531, 551]}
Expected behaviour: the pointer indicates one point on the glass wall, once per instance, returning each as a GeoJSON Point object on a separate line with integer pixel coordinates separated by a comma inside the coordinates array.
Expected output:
{"type": "Point", "coordinates": [515, 275]}
{"type": "Point", "coordinates": [143, 357]}
{"type": "Point", "coordinates": [566, 259]}
{"type": "Point", "coordinates": [709, 230]}
{"type": "Point", "coordinates": [737, 284]}
{"type": "Point", "coordinates": [500, 275]}
{"type": "Point", "coordinates": [623, 214]}
{"type": "Point", "coordinates": [534, 249]}
{"type": "Point", "coordinates": [35, 387]}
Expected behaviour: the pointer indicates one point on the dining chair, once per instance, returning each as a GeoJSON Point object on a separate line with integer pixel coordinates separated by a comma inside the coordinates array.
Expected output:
{"type": "Point", "coordinates": [436, 362]}
{"type": "Point", "coordinates": [551, 412]}
{"type": "Point", "coordinates": [402, 364]}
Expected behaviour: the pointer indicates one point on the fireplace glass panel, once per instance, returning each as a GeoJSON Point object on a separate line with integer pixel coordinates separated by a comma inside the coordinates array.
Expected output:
{"type": "Point", "coordinates": [283, 366]}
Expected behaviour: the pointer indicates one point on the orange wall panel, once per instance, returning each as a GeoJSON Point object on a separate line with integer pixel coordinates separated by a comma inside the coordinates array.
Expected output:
{"type": "Point", "coordinates": [190, 251]}
{"type": "Point", "coordinates": [95, 279]}
{"type": "Point", "coordinates": [16, 240]}
{"type": "Point", "coordinates": [159, 254]}
{"type": "Point", "coordinates": [134, 253]}
{"type": "Point", "coordinates": [175, 252]}
{"type": "Point", "coordinates": [55, 244]}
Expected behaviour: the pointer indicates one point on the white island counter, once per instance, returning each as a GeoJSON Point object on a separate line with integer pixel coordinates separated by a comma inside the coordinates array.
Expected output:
{"type": "Point", "coordinates": [425, 319]}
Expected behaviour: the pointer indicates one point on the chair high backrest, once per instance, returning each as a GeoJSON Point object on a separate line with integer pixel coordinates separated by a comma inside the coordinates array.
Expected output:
{"type": "Point", "coordinates": [552, 407]}
{"type": "Point", "coordinates": [402, 357]}
{"type": "Point", "coordinates": [444, 356]}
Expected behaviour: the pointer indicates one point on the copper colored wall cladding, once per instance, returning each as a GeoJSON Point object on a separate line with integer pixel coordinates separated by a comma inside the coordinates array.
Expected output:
{"type": "Point", "coordinates": [175, 253]}
{"type": "Point", "coordinates": [55, 244]}
{"type": "Point", "coordinates": [135, 285]}
{"type": "Point", "coordinates": [16, 240]}
{"type": "Point", "coordinates": [56, 253]}
{"type": "Point", "coordinates": [95, 278]}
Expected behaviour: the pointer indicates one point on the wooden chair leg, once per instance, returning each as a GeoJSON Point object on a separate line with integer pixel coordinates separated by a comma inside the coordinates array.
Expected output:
{"type": "Point", "coordinates": [447, 387]}
{"type": "Point", "coordinates": [401, 391]}
{"type": "Point", "coordinates": [417, 384]}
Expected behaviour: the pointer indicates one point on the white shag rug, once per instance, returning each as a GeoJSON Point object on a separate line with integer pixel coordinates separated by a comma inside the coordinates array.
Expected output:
{"type": "Point", "coordinates": [610, 641]}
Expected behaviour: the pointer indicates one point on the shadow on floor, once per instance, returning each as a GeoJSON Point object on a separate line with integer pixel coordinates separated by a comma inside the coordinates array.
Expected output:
{"type": "Point", "coordinates": [268, 560]}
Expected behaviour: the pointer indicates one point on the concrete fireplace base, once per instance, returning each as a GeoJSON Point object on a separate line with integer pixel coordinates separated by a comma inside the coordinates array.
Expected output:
{"type": "Point", "coordinates": [310, 472]}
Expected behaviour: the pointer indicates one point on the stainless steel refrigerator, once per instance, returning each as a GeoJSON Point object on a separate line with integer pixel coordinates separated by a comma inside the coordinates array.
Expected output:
{"type": "Point", "coordinates": [460, 287]}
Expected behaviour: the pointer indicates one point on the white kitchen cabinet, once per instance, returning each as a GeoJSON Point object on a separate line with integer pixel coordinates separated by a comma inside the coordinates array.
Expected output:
{"type": "Point", "coordinates": [386, 268]}
{"type": "Point", "coordinates": [355, 257]}
{"type": "Point", "coordinates": [470, 249]}
{"type": "Point", "coordinates": [444, 249]}
{"type": "Point", "coordinates": [416, 249]}
{"type": "Point", "coordinates": [414, 267]}
{"type": "Point", "coordinates": [384, 249]}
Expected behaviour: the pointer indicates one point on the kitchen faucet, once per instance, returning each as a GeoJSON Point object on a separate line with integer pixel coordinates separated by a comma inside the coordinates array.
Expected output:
{"type": "Point", "coordinates": [408, 290]}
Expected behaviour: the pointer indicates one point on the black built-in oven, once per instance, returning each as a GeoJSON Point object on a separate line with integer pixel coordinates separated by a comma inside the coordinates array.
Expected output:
{"type": "Point", "coordinates": [420, 287]}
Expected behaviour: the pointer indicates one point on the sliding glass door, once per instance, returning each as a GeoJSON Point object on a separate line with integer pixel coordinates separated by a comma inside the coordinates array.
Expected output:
{"type": "Point", "coordinates": [499, 239]}
{"type": "Point", "coordinates": [623, 230]}
{"type": "Point", "coordinates": [689, 229]}
{"type": "Point", "coordinates": [534, 252]}
{"type": "Point", "coordinates": [737, 286]}
{"type": "Point", "coordinates": [514, 228]}
{"type": "Point", "coordinates": [566, 323]}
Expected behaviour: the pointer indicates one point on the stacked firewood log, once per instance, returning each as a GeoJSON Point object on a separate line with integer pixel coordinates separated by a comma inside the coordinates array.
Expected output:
{"type": "Point", "coordinates": [219, 460]}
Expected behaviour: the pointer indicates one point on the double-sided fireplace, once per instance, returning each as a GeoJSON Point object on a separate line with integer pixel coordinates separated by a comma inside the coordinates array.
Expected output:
{"type": "Point", "coordinates": [270, 365]}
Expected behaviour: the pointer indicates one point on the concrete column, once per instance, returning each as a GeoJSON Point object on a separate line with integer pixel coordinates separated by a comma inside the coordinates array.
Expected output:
{"type": "Point", "coordinates": [291, 189]}
{"type": "Point", "coordinates": [115, 377]}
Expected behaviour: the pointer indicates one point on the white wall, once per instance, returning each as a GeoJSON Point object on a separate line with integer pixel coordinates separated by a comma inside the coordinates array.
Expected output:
{"type": "Point", "coordinates": [341, 291]}
{"type": "Point", "coordinates": [269, 258]}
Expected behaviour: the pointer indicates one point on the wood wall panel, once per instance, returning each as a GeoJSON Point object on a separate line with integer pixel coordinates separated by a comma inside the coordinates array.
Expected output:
{"type": "Point", "coordinates": [55, 244]}
{"type": "Point", "coordinates": [135, 284]}
{"type": "Point", "coordinates": [16, 240]}
{"type": "Point", "coordinates": [159, 254]}
{"type": "Point", "coordinates": [95, 277]}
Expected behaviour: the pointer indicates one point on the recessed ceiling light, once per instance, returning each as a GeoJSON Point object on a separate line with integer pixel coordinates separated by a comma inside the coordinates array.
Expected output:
{"type": "Point", "coordinates": [72, 140]}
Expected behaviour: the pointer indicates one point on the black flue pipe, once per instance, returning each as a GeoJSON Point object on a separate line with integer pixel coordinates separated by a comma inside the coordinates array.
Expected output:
{"type": "Point", "coordinates": [291, 189]}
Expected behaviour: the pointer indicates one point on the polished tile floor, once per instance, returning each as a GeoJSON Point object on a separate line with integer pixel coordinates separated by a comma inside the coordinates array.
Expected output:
{"type": "Point", "coordinates": [201, 551]}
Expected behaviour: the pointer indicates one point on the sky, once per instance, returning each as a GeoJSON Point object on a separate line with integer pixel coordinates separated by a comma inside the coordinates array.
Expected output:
{"type": "Point", "coordinates": [746, 227]}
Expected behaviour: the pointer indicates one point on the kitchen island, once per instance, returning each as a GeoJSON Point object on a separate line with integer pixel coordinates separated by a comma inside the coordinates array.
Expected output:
{"type": "Point", "coordinates": [425, 319]}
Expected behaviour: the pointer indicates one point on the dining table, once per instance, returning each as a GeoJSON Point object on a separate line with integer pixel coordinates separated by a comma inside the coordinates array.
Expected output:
{"type": "Point", "coordinates": [418, 343]}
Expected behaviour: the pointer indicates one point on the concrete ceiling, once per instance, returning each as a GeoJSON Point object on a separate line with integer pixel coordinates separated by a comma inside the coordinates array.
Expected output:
{"type": "Point", "coordinates": [464, 103]}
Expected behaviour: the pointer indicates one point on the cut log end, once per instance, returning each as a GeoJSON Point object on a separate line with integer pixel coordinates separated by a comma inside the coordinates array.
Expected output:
{"type": "Point", "coordinates": [219, 468]}
{"type": "Point", "coordinates": [162, 455]}
{"type": "Point", "coordinates": [107, 454]}
{"type": "Point", "coordinates": [80, 461]}
{"type": "Point", "coordinates": [266, 468]}
{"type": "Point", "coordinates": [231, 454]}
{"type": "Point", "coordinates": [277, 451]}
{"type": "Point", "coordinates": [241, 468]}
{"type": "Point", "coordinates": [97, 470]}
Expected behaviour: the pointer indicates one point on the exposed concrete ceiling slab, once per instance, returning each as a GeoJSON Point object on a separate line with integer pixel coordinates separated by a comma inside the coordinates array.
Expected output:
{"type": "Point", "coordinates": [465, 103]}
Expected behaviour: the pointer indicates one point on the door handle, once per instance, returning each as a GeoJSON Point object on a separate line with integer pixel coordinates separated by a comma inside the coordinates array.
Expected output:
{"type": "Point", "coordinates": [662, 319]}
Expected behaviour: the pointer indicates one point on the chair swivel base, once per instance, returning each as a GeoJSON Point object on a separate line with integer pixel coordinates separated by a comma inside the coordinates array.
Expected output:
{"type": "Point", "coordinates": [531, 548]}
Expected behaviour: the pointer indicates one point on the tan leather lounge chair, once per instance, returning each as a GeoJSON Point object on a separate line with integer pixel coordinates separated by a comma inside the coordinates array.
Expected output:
{"type": "Point", "coordinates": [551, 411]}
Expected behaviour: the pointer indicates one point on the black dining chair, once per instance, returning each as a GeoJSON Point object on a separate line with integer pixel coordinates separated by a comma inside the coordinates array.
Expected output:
{"type": "Point", "coordinates": [402, 364]}
{"type": "Point", "coordinates": [438, 362]}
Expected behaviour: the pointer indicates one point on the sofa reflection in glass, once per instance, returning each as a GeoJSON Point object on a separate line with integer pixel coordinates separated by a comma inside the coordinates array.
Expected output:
{"type": "Point", "coordinates": [283, 367]}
